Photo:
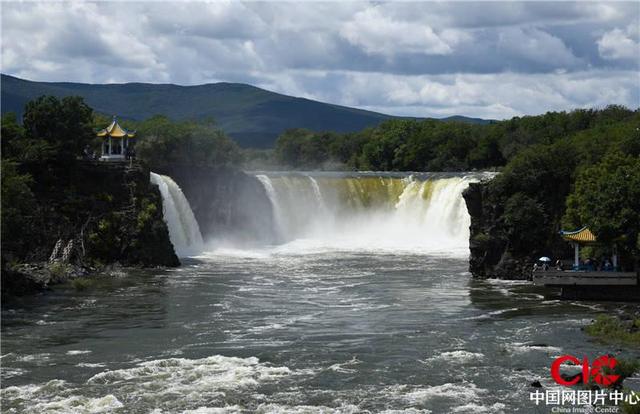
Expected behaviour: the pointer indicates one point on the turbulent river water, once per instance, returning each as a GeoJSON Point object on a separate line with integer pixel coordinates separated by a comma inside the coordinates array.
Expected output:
{"type": "Point", "coordinates": [367, 309]}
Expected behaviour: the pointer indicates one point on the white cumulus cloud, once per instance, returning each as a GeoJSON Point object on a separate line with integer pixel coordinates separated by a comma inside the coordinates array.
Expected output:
{"type": "Point", "coordinates": [377, 33]}
{"type": "Point", "coordinates": [487, 59]}
{"type": "Point", "coordinates": [620, 44]}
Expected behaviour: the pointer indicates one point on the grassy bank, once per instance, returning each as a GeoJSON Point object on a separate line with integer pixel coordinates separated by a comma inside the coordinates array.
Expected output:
{"type": "Point", "coordinates": [612, 329]}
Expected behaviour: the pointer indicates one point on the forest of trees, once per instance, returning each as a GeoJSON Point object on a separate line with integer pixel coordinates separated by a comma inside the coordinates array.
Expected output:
{"type": "Point", "coordinates": [432, 145]}
{"type": "Point", "coordinates": [560, 169]}
{"type": "Point", "coordinates": [52, 130]}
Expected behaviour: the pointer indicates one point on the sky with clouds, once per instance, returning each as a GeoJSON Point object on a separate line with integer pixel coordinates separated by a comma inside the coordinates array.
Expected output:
{"type": "Point", "coordinates": [485, 59]}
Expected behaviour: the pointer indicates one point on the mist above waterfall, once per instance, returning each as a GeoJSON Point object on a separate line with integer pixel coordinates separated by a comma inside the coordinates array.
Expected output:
{"type": "Point", "coordinates": [314, 212]}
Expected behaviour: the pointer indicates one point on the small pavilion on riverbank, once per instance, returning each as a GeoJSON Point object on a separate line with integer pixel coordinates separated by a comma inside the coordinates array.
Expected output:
{"type": "Point", "coordinates": [587, 282]}
{"type": "Point", "coordinates": [116, 142]}
{"type": "Point", "coordinates": [584, 237]}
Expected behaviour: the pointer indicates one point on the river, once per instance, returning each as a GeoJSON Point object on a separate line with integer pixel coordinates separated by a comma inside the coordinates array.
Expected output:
{"type": "Point", "coordinates": [326, 320]}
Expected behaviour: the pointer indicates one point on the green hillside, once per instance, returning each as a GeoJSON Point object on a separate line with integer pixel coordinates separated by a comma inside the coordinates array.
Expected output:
{"type": "Point", "coordinates": [254, 117]}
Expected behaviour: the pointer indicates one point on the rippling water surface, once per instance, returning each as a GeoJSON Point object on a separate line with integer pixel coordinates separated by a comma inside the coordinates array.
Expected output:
{"type": "Point", "coordinates": [278, 331]}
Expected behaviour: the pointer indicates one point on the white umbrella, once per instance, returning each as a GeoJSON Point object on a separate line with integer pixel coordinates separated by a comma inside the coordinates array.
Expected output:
{"type": "Point", "coordinates": [544, 259]}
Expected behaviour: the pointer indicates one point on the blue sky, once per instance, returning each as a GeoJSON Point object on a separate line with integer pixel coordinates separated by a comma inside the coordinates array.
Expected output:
{"type": "Point", "coordinates": [485, 59]}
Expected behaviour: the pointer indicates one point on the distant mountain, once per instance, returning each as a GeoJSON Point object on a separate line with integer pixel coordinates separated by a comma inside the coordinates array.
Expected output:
{"type": "Point", "coordinates": [254, 117]}
{"type": "Point", "coordinates": [468, 120]}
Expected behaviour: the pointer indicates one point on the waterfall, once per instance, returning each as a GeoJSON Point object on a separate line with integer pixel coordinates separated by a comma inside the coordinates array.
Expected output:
{"type": "Point", "coordinates": [370, 211]}
{"type": "Point", "coordinates": [183, 227]}
{"type": "Point", "coordinates": [275, 203]}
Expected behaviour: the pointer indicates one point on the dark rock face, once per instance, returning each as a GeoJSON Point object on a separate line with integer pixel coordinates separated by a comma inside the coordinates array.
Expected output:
{"type": "Point", "coordinates": [227, 203]}
{"type": "Point", "coordinates": [102, 213]}
{"type": "Point", "coordinates": [20, 282]}
{"type": "Point", "coordinates": [503, 251]}
{"type": "Point", "coordinates": [506, 249]}
{"type": "Point", "coordinates": [490, 254]}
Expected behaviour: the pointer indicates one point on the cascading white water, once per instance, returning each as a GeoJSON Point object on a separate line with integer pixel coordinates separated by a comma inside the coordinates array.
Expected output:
{"type": "Point", "coordinates": [183, 227]}
{"type": "Point", "coordinates": [275, 203]}
{"type": "Point", "coordinates": [370, 212]}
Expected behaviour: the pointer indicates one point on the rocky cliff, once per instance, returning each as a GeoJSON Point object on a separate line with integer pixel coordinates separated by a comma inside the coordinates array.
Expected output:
{"type": "Point", "coordinates": [503, 246]}
{"type": "Point", "coordinates": [86, 215]}
{"type": "Point", "coordinates": [489, 253]}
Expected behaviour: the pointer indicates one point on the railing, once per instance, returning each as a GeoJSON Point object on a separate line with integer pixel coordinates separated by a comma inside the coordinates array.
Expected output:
{"type": "Point", "coordinates": [584, 278]}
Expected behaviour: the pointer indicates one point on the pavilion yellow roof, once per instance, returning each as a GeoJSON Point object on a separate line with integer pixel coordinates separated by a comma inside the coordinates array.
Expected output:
{"type": "Point", "coordinates": [583, 235]}
{"type": "Point", "coordinates": [114, 130]}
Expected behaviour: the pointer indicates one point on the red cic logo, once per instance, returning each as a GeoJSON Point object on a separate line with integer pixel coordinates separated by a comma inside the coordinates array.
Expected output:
{"type": "Point", "coordinates": [594, 371]}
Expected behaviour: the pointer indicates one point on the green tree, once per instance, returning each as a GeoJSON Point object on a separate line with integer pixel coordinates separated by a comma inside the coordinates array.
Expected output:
{"type": "Point", "coordinates": [163, 143]}
{"type": "Point", "coordinates": [525, 223]}
{"type": "Point", "coordinates": [64, 127]}
{"type": "Point", "coordinates": [12, 136]}
{"type": "Point", "coordinates": [301, 148]}
{"type": "Point", "coordinates": [17, 204]}
{"type": "Point", "coordinates": [486, 154]}
{"type": "Point", "coordinates": [607, 199]}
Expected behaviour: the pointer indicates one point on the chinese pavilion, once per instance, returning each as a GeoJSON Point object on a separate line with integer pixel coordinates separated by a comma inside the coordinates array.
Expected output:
{"type": "Point", "coordinates": [584, 236]}
{"type": "Point", "coordinates": [116, 142]}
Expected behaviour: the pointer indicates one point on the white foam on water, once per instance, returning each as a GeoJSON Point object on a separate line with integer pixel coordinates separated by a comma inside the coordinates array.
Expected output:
{"type": "Point", "coordinates": [32, 390]}
{"type": "Point", "coordinates": [456, 357]}
{"type": "Point", "coordinates": [212, 252]}
{"type": "Point", "coordinates": [307, 409]}
{"type": "Point", "coordinates": [460, 392]}
{"type": "Point", "coordinates": [78, 352]}
{"type": "Point", "coordinates": [496, 408]}
{"type": "Point", "coordinates": [232, 409]}
{"type": "Point", "coordinates": [25, 398]}
{"type": "Point", "coordinates": [507, 282]}
{"type": "Point", "coordinates": [491, 314]}
{"type": "Point", "coordinates": [156, 382]}
{"type": "Point", "coordinates": [78, 405]}
{"type": "Point", "coordinates": [42, 322]}
{"type": "Point", "coordinates": [347, 367]}
{"type": "Point", "coordinates": [91, 365]}
{"type": "Point", "coordinates": [176, 375]}
{"type": "Point", "coordinates": [9, 372]}
{"type": "Point", "coordinates": [37, 358]}
{"type": "Point", "coordinates": [523, 348]}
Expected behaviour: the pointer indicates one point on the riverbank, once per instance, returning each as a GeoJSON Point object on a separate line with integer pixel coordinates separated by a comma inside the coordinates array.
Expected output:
{"type": "Point", "coordinates": [622, 328]}
{"type": "Point", "coordinates": [28, 279]}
